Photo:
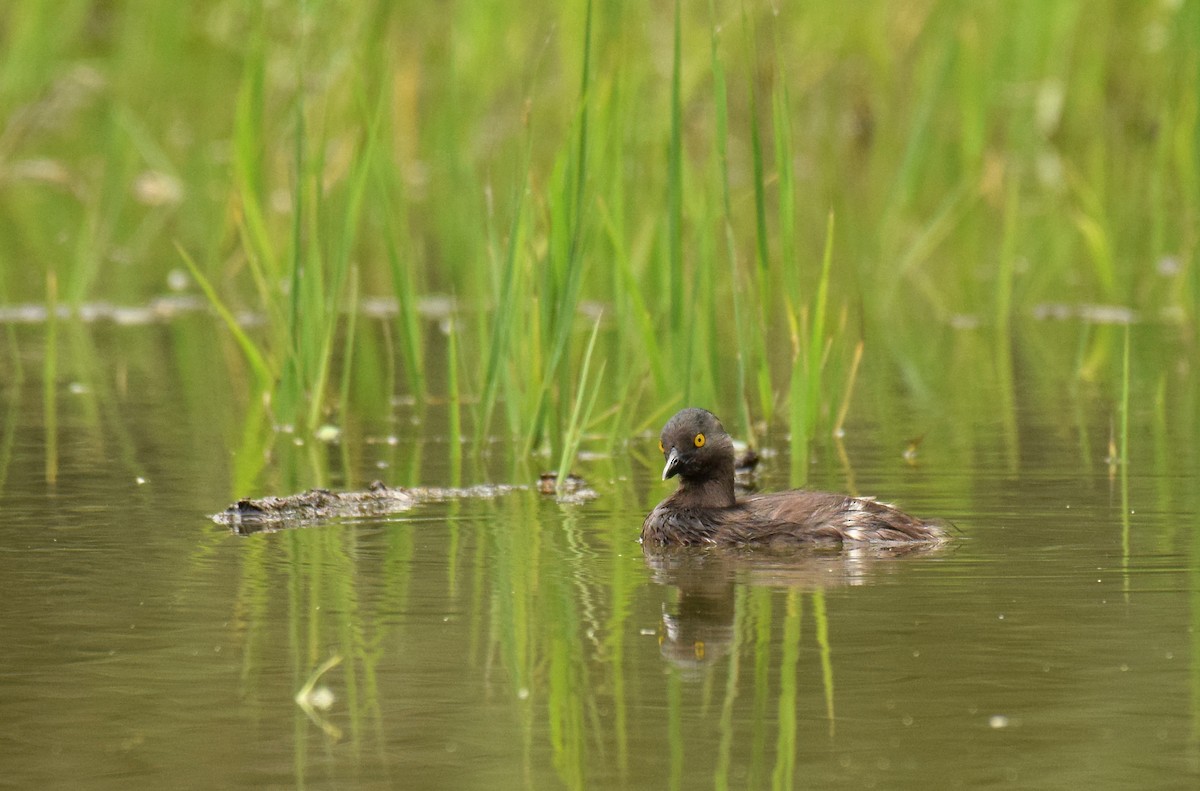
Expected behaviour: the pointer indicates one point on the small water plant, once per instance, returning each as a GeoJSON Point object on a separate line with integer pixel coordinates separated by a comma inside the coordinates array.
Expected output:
{"type": "Point", "coordinates": [677, 167]}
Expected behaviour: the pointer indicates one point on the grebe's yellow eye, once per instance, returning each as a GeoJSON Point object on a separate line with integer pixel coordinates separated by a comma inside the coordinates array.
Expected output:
{"type": "Point", "coordinates": [699, 440]}
{"type": "Point", "coordinates": [661, 449]}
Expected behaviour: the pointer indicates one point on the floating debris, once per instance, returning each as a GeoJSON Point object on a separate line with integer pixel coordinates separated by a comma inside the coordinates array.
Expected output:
{"type": "Point", "coordinates": [912, 449]}
{"type": "Point", "coordinates": [574, 489]}
{"type": "Point", "coordinates": [156, 311]}
{"type": "Point", "coordinates": [314, 700]}
{"type": "Point", "coordinates": [1089, 313]}
{"type": "Point", "coordinates": [268, 514]}
{"type": "Point", "coordinates": [328, 433]}
{"type": "Point", "coordinates": [156, 188]}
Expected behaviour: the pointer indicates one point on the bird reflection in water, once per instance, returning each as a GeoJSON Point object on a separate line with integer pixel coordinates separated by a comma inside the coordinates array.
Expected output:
{"type": "Point", "coordinates": [699, 626]}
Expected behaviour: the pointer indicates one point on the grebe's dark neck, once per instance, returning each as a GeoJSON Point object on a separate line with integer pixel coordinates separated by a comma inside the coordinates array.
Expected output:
{"type": "Point", "coordinates": [712, 492]}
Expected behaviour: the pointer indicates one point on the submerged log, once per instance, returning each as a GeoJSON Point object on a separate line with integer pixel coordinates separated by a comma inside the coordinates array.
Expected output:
{"type": "Point", "coordinates": [315, 505]}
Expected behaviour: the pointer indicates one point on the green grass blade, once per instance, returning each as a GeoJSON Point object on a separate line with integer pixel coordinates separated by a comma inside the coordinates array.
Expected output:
{"type": "Point", "coordinates": [258, 362]}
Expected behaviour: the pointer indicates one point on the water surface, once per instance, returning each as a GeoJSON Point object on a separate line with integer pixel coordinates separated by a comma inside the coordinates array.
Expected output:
{"type": "Point", "coordinates": [521, 643]}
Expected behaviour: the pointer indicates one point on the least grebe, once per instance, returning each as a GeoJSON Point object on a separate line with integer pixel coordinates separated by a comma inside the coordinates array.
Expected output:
{"type": "Point", "coordinates": [704, 509]}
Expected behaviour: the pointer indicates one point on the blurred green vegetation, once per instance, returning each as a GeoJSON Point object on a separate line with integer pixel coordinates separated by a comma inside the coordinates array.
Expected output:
{"type": "Point", "coordinates": [508, 176]}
